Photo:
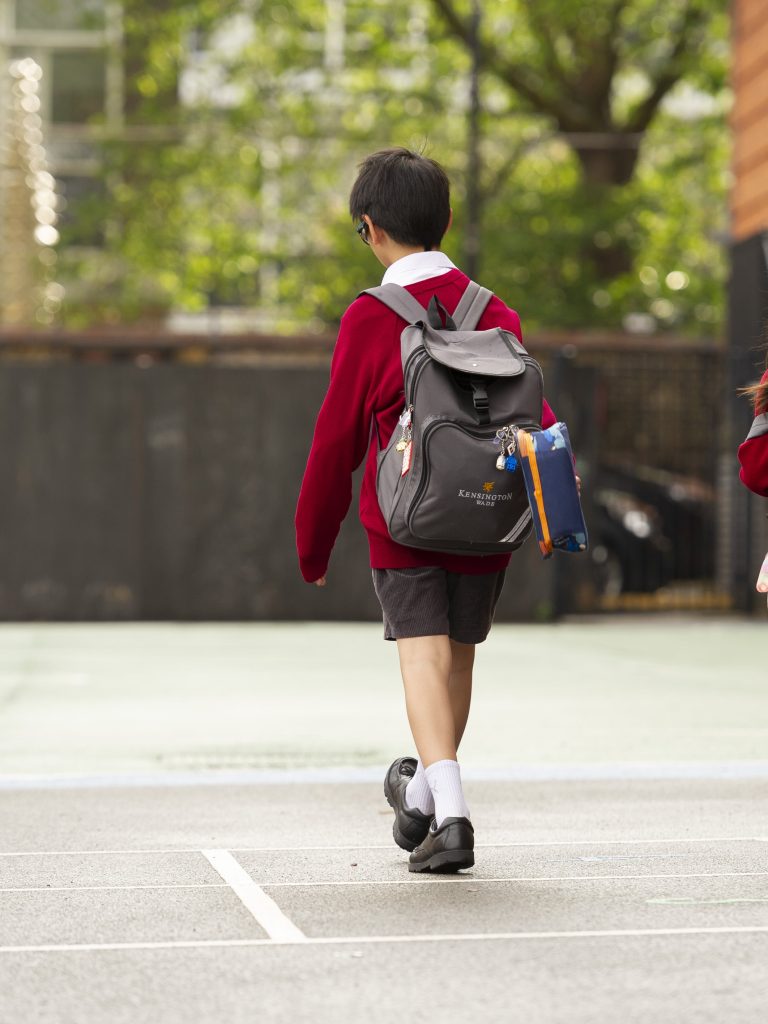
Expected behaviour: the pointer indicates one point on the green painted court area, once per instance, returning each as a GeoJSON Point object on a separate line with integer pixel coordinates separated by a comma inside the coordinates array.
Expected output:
{"type": "Point", "coordinates": [192, 827]}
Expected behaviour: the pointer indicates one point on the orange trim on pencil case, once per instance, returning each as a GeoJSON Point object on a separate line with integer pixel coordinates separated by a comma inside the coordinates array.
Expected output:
{"type": "Point", "coordinates": [529, 451]}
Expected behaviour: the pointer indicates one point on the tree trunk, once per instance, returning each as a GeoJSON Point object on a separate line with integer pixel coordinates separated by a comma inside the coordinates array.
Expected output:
{"type": "Point", "coordinates": [608, 163]}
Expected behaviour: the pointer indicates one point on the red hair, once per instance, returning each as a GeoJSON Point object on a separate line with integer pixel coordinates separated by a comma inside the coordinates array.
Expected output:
{"type": "Point", "coordinates": [759, 395]}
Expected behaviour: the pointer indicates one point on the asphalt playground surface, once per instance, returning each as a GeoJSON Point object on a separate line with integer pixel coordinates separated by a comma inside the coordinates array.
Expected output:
{"type": "Point", "coordinates": [192, 828]}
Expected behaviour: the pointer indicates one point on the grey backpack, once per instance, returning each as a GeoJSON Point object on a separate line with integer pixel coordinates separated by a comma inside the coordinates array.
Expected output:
{"type": "Point", "coordinates": [448, 479]}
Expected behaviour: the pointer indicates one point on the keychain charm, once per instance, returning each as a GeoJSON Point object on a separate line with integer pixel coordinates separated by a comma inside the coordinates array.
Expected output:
{"type": "Point", "coordinates": [406, 432]}
{"type": "Point", "coordinates": [505, 439]}
{"type": "Point", "coordinates": [510, 462]}
{"type": "Point", "coordinates": [406, 458]}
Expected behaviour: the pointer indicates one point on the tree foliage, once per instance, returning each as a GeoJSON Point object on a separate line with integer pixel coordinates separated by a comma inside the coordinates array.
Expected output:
{"type": "Point", "coordinates": [603, 154]}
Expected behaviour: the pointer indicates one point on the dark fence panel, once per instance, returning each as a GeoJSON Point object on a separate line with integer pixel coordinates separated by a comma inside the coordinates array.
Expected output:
{"type": "Point", "coordinates": [70, 479]}
{"type": "Point", "coordinates": [156, 477]}
{"type": "Point", "coordinates": [645, 419]}
{"type": "Point", "coordinates": [169, 492]}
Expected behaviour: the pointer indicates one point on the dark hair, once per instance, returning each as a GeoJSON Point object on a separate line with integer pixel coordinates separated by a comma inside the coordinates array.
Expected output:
{"type": "Point", "coordinates": [405, 194]}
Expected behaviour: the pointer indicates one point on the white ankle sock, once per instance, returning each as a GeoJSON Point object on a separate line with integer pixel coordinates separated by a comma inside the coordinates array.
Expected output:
{"type": "Point", "coordinates": [444, 778]}
{"type": "Point", "coordinates": [418, 795]}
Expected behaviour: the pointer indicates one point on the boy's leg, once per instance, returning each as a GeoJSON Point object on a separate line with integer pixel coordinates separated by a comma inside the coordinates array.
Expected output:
{"type": "Point", "coordinates": [460, 685]}
{"type": "Point", "coordinates": [430, 673]}
{"type": "Point", "coordinates": [426, 665]}
{"type": "Point", "coordinates": [418, 795]}
{"type": "Point", "coordinates": [437, 677]}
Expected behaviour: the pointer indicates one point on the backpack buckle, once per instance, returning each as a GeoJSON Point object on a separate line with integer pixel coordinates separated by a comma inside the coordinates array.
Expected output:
{"type": "Point", "coordinates": [480, 399]}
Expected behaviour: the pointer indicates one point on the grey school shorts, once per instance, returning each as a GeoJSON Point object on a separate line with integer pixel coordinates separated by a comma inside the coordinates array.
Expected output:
{"type": "Point", "coordinates": [431, 601]}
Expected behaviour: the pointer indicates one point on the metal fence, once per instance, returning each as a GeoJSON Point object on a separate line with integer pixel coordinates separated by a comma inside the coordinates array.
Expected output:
{"type": "Point", "coordinates": [150, 476]}
{"type": "Point", "coordinates": [647, 414]}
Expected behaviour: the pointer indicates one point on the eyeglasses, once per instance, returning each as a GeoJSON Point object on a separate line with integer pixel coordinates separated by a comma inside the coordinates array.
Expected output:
{"type": "Point", "coordinates": [362, 229]}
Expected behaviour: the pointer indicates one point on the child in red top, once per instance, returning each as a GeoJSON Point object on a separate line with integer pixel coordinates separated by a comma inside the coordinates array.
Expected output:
{"type": "Point", "coordinates": [753, 456]}
{"type": "Point", "coordinates": [436, 606]}
{"type": "Point", "coordinates": [753, 452]}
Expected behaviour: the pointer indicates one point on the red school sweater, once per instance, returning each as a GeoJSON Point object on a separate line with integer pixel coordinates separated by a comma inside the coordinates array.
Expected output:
{"type": "Point", "coordinates": [361, 409]}
{"type": "Point", "coordinates": [753, 453]}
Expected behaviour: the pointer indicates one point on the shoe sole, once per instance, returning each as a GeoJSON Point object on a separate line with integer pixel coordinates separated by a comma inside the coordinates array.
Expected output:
{"type": "Point", "coordinates": [448, 862]}
{"type": "Point", "coordinates": [402, 842]}
{"type": "Point", "coordinates": [397, 835]}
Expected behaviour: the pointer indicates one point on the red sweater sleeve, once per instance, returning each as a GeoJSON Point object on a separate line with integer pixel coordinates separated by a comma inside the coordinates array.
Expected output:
{"type": "Point", "coordinates": [753, 453]}
{"type": "Point", "coordinates": [340, 442]}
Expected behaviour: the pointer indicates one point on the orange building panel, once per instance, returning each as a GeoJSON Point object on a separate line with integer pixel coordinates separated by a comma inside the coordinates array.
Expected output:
{"type": "Point", "coordinates": [747, 16]}
{"type": "Point", "coordinates": [749, 118]}
{"type": "Point", "coordinates": [750, 96]}
{"type": "Point", "coordinates": [750, 148]}
{"type": "Point", "coordinates": [747, 224]}
{"type": "Point", "coordinates": [750, 51]}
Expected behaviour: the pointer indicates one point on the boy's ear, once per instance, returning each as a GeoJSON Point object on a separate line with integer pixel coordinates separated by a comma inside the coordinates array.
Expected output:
{"type": "Point", "coordinates": [450, 221]}
{"type": "Point", "coordinates": [375, 234]}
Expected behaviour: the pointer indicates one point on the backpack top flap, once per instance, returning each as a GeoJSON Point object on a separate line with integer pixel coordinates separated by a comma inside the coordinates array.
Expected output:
{"type": "Point", "coordinates": [492, 353]}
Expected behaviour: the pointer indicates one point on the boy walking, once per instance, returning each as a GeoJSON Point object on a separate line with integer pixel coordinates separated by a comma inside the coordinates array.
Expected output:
{"type": "Point", "coordinates": [436, 606]}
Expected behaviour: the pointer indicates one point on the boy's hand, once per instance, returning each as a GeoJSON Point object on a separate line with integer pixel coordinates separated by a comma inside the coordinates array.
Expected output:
{"type": "Point", "coordinates": [578, 485]}
{"type": "Point", "coordinates": [320, 582]}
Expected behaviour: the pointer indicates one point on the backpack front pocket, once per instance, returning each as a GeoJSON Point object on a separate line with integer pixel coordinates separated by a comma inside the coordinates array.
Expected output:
{"type": "Point", "coordinates": [460, 497]}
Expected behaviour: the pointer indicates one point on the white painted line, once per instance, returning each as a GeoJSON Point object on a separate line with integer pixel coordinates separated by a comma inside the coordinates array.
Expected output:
{"type": "Point", "coordinates": [196, 850]}
{"type": "Point", "coordinates": [107, 888]}
{"type": "Point", "coordinates": [629, 842]}
{"type": "Point", "coordinates": [612, 857]}
{"type": "Point", "coordinates": [95, 947]}
{"type": "Point", "coordinates": [97, 853]}
{"type": "Point", "coordinates": [267, 913]}
{"type": "Point", "coordinates": [690, 901]}
{"type": "Point", "coordinates": [468, 879]}
{"type": "Point", "coordinates": [388, 846]}
{"type": "Point", "coordinates": [360, 940]}
{"type": "Point", "coordinates": [534, 771]}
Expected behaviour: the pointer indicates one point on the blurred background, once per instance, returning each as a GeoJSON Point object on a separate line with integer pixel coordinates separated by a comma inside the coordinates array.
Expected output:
{"type": "Point", "coordinates": [175, 255]}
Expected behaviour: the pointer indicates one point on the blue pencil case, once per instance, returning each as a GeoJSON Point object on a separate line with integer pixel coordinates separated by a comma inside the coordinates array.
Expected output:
{"type": "Point", "coordinates": [550, 480]}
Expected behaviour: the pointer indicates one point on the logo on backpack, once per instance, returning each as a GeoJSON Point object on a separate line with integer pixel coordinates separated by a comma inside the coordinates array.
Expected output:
{"type": "Point", "coordinates": [485, 498]}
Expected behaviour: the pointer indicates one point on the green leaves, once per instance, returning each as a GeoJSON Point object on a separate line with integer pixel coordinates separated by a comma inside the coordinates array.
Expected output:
{"type": "Point", "coordinates": [603, 154]}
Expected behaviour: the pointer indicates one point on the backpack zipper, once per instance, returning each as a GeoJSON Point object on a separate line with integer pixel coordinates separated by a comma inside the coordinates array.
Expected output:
{"type": "Point", "coordinates": [420, 355]}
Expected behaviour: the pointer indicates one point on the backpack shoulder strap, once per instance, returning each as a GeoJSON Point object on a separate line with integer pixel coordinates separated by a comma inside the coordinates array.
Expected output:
{"type": "Point", "coordinates": [471, 306]}
{"type": "Point", "coordinates": [400, 300]}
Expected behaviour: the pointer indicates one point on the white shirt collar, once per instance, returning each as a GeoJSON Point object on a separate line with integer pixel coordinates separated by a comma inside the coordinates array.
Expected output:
{"type": "Point", "coordinates": [417, 266]}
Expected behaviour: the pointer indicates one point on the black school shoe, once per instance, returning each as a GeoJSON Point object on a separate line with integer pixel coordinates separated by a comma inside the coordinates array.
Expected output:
{"type": "Point", "coordinates": [445, 849]}
{"type": "Point", "coordinates": [410, 826]}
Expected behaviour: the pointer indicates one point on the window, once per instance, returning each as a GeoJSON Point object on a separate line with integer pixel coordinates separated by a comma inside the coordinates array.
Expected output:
{"type": "Point", "coordinates": [44, 15]}
{"type": "Point", "coordinates": [81, 221]}
{"type": "Point", "coordinates": [78, 85]}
